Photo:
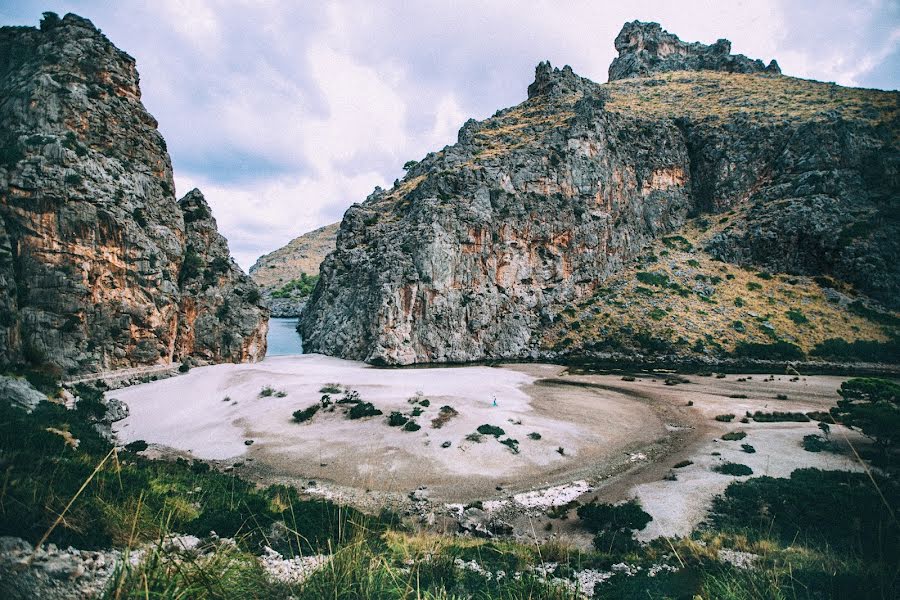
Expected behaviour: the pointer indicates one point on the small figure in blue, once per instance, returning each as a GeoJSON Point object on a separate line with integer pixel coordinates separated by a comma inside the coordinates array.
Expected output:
{"type": "Point", "coordinates": [495, 401]}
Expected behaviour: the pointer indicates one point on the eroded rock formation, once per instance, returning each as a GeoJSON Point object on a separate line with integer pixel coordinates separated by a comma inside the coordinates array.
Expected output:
{"type": "Point", "coordinates": [482, 245]}
{"type": "Point", "coordinates": [646, 48]}
{"type": "Point", "coordinates": [93, 245]}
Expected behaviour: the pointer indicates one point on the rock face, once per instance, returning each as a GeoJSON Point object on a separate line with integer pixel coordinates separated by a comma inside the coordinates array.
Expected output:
{"type": "Point", "coordinates": [93, 245]}
{"type": "Point", "coordinates": [276, 272]}
{"type": "Point", "coordinates": [646, 48]}
{"type": "Point", "coordinates": [483, 244]}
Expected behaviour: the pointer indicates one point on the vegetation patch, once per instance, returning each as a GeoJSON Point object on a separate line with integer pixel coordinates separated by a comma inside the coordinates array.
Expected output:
{"type": "Point", "coordinates": [613, 525]}
{"type": "Point", "coordinates": [734, 436]}
{"type": "Point", "coordinates": [362, 410]}
{"type": "Point", "coordinates": [306, 414]}
{"type": "Point", "coordinates": [778, 416]}
{"type": "Point", "coordinates": [490, 430]}
{"type": "Point", "coordinates": [734, 469]}
{"type": "Point", "coordinates": [397, 419]}
{"type": "Point", "coordinates": [444, 415]}
{"type": "Point", "coordinates": [725, 418]}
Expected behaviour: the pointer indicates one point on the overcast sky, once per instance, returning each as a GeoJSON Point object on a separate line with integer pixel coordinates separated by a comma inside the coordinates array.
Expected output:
{"type": "Point", "coordinates": [285, 113]}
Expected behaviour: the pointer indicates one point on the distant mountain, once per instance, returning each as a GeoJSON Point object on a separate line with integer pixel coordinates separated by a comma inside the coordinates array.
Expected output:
{"type": "Point", "coordinates": [100, 266]}
{"type": "Point", "coordinates": [287, 275]}
{"type": "Point", "coordinates": [699, 207]}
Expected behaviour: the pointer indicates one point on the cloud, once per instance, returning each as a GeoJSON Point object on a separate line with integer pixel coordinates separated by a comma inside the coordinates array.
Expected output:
{"type": "Point", "coordinates": [285, 113]}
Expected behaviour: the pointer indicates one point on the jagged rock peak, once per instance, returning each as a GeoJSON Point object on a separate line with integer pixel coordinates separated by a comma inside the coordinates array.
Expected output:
{"type": "Point", "coordinates": [195, 207]}
{"type": "Point", "coordinates": [646, 48]}
{"type": "Point", "coordinates": [549, 81]}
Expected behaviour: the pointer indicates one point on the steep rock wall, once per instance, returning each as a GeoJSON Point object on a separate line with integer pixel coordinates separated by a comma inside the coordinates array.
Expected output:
{"type": "Point", "coordinates": [92, 241]}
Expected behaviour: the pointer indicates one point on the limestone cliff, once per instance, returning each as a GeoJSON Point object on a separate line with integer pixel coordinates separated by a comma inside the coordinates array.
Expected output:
{"type": "Point", "coordinates": [286, 275]}
{"type": "Point", "coordinates": [485, 246]}
{"type": "Point", "coordinates": [646, 48]}
{"type": "Point", "coordinates": [93, 245]}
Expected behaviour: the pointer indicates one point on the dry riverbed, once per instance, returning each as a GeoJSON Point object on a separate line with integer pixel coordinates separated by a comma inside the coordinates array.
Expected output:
{"type": "Point", "coordinates": [578, 436]}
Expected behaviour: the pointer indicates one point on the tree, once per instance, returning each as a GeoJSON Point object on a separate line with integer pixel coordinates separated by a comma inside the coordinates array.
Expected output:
{"type": "Point", "coordinates": [872, 406]}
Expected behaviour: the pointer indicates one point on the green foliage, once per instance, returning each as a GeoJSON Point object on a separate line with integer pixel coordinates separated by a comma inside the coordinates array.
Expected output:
{"type": "Point", "coordinates": [816, 443]}
{"type": "Point", "coordinates": [362, 410]}
{"type": "Point", "coordinates": [778, 416]}
{"type": "Point", "coordinates": [734, 469]}
{"type": "Point", "coordinates": [682, 463]}
{"type": "Point", "coordinates": [137, 446]}
{"type": "Point", "coordinates": [184, 367]}
{"type": "Point", "coordinates": [657, 314]}
{"type": "Point", "coordinates": [753, 286]}
{"type": "Point", "coordinates": [613, 524]}
{"type": "Point", "coordinates": [330, 388]}
{"type": "Point", "coordinates": [49, 21]}
{"type": "Point", "coordinates": [796, 315]}
{"type": "Point", "coordinates": [725, 418]}
{"type": "Point", "coordinates": [779, 350]}
{"type": "Point", "coordinates": [140, 497]}
{"type": "Point", "coordinates": [411, 426]}
{"type": "Point", "coordinates": [733, 436]}
{"type": "Point", "coordinates": [872, 406]}
{"type": "Point", "coordinates": [266, 392]}
{"type": "Point", "coordinates": [190, 265]}
{"type": "Point", "coordinates": [876, 316]}
{"type": "Point", "coordinates": [307, 413]}
{"type": "Point", "coordinates": [490, 430]}
{"type": "Point", "coordinates": [657, 279]}
{"type": "Point", "coordinates": [834, 509]}
{"type": "Point", "coordinates": [512, 444]}
{"type": "Point", "coordinates": [864, 350]}
{"type": "Point", "coordinates": [302, 287]}
{"type": "Point", "coordinates": [748, 448]}
{"type": "Point", "coordinates": [73, 179]}
{"type": "Point", "coordinates": [396, 419]}
{"type": "Point", "coordinates": [534, 435]}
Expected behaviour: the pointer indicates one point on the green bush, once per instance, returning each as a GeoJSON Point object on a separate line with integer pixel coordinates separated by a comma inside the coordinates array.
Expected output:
{"type": "Point", "coordinates": [725, 418]}
{"type": "Point", "coordinates": [490, 430]}
{"type": "Point", "coordinates": [303, 286]}
{"type": "Point", "coordinates": [613, 525]}
{"type": "Point", "coordinates": [657, 279]}
{"type": "Point", "coordinates": [307, 413]}
{"type": "Point", "coordinates": [330, 388]}
{"type": "Point", "coordinates": [682, 463]}
{"type": "Point", "coordinates": [411, 426]}
{"type": "Point", "coordinates": [779, 350]}
{"type": "Point", "coordinates": [796, 315]}
{"type": "Point", "coordinates": [862, 350]}
{"type": "Point", "coordinates": [734, 469]}
{"type": "Point", "coordinates": [362, 410]}
{"type": "Point", "coordinates": [872, 406]}
{"type": "Point", "coordinates": [733, 436]}
{"type": "Point", "coordinates": [396, 419]}
{"type": "Point", "coordinates": [779, 416]}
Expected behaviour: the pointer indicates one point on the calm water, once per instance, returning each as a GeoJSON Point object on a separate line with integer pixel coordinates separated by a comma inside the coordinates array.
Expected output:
{"type": "Point", "coordinates": [283, 338]}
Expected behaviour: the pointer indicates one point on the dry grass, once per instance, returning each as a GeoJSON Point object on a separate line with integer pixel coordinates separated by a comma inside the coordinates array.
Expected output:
{"type": "Point", "coordinates": [723, 96]}
{"type": "Point", "coordinates": [743, 306]}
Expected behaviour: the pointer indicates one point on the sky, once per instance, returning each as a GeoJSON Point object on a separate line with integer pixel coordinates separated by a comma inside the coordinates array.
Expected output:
{"type": "Point", "coordinates": [286, 113]}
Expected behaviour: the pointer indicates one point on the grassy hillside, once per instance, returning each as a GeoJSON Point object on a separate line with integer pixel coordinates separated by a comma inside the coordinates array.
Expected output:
{"type": "Point", "coordinates": [677, 300]}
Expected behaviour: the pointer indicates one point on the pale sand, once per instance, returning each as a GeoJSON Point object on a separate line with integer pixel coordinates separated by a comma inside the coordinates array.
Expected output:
{"type": "Point", "coordinates": [620, 438]}
{"type": "Point", "coordinates": [188, 414]}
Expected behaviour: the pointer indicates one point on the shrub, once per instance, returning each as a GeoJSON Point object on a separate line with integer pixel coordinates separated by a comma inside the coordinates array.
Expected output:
{"type": "Point", "coordinates": [396, 419]}
{"type": "Point", "coordinates": [748, 448]}
{"type": "Point", "coordinates": [184, 367]}
{"type": "Point", "coordinates": [734, 469]}
{"type": "Point", "coordinates": [511, 444]}
{"type": "Point", "coordinates": [778, 416]}
{"type": "Point", "coordinates": [657, 279]}
{"type": "Point", "coordinates": [779, 350]}
{"type": "Point", "coordinates": [266, 392]}
{"type": "Point", "coordinates": [445, 414]}
{"type": "Point", "coordinates": [350, 397]}
{"type": "Point", "coordinates": [863, 350]}
{"type": "Point", "coordinates": [628, 378]}
{"type": "Point", "coordinates": [307, 413]}
{"type": "Point", "coordinates": [828, 509]}
{"type": "Point", "coordinates": [682, 464]}
{"type": "Point", "coordinates": [534, 435]}
{"type": "Point", "coordinates": [613, 524]}
{"type": "Point", "coordinates": [725, 418]}
{"type": "Point", "coordinates": [136, 446]}
{"type": "Point", "coordinates": [330, 388]}
{"type": "Point", "coordinates": [490, 430]}
{"type": "Point", "coordinates": [796, 315]}
{"type": "Point", "coordinates": [753, 286]}
{"type": "Point", "coordinates": [871, 405]}
{"type": "Point", "coordinates": [734, 436]}
{"type": "Point", "coordinates": [411, 426]}
{"type": "Point", "coordinates": [363, 409]}
{"type": "Point", "coordinates": [781, 397]}
{"type": "Point", "coordinates": [816, 443]}
{"type": "Point", "coordinates": [474, 437]}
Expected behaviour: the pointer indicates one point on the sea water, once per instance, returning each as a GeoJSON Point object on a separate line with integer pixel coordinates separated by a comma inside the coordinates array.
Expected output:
{"type": "Point", "coordinates": [283, 339]}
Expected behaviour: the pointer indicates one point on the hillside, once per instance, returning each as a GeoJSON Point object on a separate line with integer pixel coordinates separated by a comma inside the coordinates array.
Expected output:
{"type": "Point", "coordinates": [100, 267]}
{"type": "Point", "coordinates": [286, 276]}
{"type": "Point", "coordinates": [482, 249]}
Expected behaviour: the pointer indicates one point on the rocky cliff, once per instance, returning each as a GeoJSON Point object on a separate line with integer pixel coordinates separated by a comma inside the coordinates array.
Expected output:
{"type": "Point", "coordinates": [286, 276]}
{"type": "Point", "coordinates": [100, 267]}
{"type": "Point", "coordinates": [486, 246]}
{"type": "Point", "coordinates": [646, 48]}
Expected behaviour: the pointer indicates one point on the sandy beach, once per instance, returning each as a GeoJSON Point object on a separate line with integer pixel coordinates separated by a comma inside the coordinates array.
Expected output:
{"type": "Point", "coordinates": [595, 433]}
